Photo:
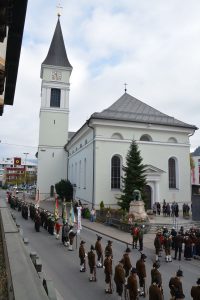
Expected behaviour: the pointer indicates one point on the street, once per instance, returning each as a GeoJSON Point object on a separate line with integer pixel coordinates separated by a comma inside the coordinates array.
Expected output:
{"type": "Point", "coordinates": [62, 266]}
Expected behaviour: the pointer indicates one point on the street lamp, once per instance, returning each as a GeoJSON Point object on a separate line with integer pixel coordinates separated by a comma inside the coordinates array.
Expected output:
{"type": "Point", "coordinates": [25, 153]}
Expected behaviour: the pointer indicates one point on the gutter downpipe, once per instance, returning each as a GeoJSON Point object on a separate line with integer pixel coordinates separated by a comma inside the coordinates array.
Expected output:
{"type": "Point", "coordinates": [93, 160]}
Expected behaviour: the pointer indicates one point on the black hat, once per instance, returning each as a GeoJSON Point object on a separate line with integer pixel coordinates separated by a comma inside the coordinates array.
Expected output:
{"type": "Point", "coordinates": [198, 281]}
{"type": "Point", "coordinates": [143, 256]}
{"type": "Point", "coordinates": [107, 253]}
{"type": "Point", "coordinates": [179, 273]}
{"type": "Point", "coordinates": [109, 242]}
{"type": "Point", "coordinates": [156, 280]}
{"type": "Point", "coordinates": [121, 261]}
{"type": "Point", "coordinates": [92, 247]}
{"type": "Point", "coordinates": [133, 270]}
{"type": "Point", "coordinates": [70, 227]}
{"type": "Point", "coordinates": [156, 265]}
{"type": "Point", "coordinates": [82, 242]}
{"type": "Point", "coordinates": [128, 250]}
{"type": "Point", "coordinates": [99, 237]}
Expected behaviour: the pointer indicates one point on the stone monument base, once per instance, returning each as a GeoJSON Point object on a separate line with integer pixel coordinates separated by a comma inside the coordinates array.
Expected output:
{"type": "Point", "coordinates": [137, 210]}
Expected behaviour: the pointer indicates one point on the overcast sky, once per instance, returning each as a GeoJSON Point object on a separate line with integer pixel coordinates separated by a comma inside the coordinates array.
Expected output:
{"type": "Point", "coordinates": [152, 45]}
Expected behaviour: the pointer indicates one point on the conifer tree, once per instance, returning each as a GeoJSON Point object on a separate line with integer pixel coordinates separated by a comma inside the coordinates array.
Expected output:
{"type": "Point", "coordinates": [134, 177]}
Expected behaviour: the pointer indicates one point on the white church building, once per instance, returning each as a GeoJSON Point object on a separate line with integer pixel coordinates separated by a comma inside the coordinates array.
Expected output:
{"type": "Point", "coordinates": [92, 158]}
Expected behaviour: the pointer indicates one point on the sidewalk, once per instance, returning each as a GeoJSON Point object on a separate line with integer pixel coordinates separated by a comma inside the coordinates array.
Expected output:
{"type": "Point", "coordinates": [124, 237]}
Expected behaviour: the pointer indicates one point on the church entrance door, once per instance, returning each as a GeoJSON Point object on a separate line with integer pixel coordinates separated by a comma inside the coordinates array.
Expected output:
{"type": "Point", "coordinates": [148, 196]}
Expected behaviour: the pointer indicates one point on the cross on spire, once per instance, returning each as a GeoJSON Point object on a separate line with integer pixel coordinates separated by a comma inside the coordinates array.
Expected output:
{"type": "Point", "coordinates": [125, 84]}
{"type": "Point", "coordinates": [59, 8]}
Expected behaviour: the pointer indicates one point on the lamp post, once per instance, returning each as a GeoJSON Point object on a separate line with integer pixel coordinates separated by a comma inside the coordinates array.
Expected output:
{"type": "Point", "coordinates": [25, 153]}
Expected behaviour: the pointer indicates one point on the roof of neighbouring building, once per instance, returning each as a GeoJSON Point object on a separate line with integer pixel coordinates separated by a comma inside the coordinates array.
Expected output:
{"type": "Point", "coordinates": [128, 108]}
{"type": "Point", "coordinates": [57, 55]}
{"type": "Point", "coordinates": [196, 152]}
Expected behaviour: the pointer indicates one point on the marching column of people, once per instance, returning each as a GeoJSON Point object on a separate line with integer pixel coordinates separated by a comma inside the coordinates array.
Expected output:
{"type": "Point", "coordinates": [125, 276]}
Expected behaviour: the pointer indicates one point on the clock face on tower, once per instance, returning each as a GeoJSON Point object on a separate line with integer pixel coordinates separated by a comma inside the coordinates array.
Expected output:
{"type": "Point", "coordinates": [56, 75]}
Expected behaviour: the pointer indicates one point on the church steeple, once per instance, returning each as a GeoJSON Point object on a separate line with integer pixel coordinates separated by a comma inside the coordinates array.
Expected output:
{"type": "Point", "coordinates": [57, 55]}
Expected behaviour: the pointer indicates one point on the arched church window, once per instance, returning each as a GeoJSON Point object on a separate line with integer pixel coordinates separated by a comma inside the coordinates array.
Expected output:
{"type": "Point", "coordinates": [146, 138]}
{"type": "Point", "coordinates": [117, 136]}
{"type": "Point", "coordinates": [172, 140]}
{"type": "Point", "coordinates": [172, 170]}
{"type": "Point", "coordinates": [55, 98]}
{"type": "Point", "coordinates": [115, 172]}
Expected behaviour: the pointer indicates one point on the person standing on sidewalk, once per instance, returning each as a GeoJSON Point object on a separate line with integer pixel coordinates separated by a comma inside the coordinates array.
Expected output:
{"type": "Point", "coordinates": [140, 237]}
{"type": "Point", "coordinates": [99, 252]}
{"type": "Point", "coordinates": [72, 234]}
{"type": "Point", "coordinates": [178, 241]}
{"type": "Point", "coordinates": [108, 273]}
{"type": "Point", "coordinates": [119, 278]}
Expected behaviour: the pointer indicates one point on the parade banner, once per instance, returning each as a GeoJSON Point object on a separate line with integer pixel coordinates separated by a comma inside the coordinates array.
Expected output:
{"type": "Point", "coordinates": [56, 210]}
{"type": "Point", "coordinates": [71, 216]}
{"type": "Point", "coordinates": [79, 226]}
{"type": "Point", "coordinates": [64, 212]}
{"type": "Point", "coordinates": [37, 199]}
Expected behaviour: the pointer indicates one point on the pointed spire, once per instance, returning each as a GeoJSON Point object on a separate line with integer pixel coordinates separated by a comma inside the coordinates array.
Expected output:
{"type": "Point", "coordinates": [57, 55]}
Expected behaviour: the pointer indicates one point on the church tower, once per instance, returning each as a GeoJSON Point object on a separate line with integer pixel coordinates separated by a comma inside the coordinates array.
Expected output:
{"type": "Point", "coordinates": [54, 116]}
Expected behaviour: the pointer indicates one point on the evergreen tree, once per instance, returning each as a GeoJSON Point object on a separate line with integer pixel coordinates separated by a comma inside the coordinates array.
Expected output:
{"type": "Point", "coordinates": [134, 177]}
{"type": "Point", "coordinates": [64, 189]}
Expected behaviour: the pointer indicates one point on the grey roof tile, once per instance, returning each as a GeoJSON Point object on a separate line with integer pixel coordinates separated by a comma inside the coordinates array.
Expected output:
{"type": "Point", "coordinates": [57, 55]}
{"type": "Point", "coordinates": [196, 152]}
{"type": "Point", "coordinates": [128, 108]}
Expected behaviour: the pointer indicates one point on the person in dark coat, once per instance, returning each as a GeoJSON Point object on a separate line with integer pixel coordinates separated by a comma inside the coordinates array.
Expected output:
{"type": "Point", "coordinates": [141, 271]}
{"type": "Point", "coordinates": [132, 285]}
{"type": "Point", "coordinates": [188, 247]}
{"type": "Point", "coordinates": [175, 286]}
{"type": "Point", "coordinates": [195, 291]}
{"type": "Point", "coordinates": [127, 262]}
{"type": "Point", "coordinates": [178, 241]}
{"type": "Point", "coordinates": [99, 252]}
{"type": "Point", "coordinates": [119, 278]}
{"type": "Point", "coordinates": [37, 222]}
{"type": "Point", "coordinates": [82, 257]}
{"type": "Point", "coordinates": [157, 245]}
{"type": "Point", "coordinates": [92, 264]}
{"type": "Point", "coordinates": [65, 234]}
{"type": "Point", "coordinates": [141, 237]}
{"type": "Point", "coordinates": [108, 249]}
{"type": "Point", "coordinates": [156, 275]}
{"type": "Point", "coordinates": [108, 273]}
{"type": "Point", "coordinates": [155, 292]}
{"type": "Point", "coordinates": [72, 234]}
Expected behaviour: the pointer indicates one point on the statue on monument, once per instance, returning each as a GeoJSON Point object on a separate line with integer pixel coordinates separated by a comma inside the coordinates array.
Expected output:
{"type": "Point", "coordinates": [137, 206]}
{"type": "Point", "coordinates": [137, 195]}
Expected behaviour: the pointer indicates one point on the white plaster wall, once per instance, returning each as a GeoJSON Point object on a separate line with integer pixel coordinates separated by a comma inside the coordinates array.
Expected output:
{"type": "Point", "coordinates": [52, 167]}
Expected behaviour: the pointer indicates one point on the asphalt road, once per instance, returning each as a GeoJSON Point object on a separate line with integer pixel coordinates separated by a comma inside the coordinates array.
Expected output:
{"type": "Point", "coordinates": [62, 266]}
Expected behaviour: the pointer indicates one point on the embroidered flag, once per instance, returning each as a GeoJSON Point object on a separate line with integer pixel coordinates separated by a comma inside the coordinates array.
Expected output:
{"type": "Point", "coordinates": [56, 211]}
{"type": "Point", "coordinates": [71, 216]}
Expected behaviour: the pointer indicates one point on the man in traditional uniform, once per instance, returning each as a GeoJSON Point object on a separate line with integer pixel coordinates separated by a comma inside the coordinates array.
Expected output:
{"type": "Point", "coordinates": [157, 245]}
{"type": "Point", "coordinates": [72, 234]}
{"type": "Point", "coordinates": [141, 271]}
{"type": "Point", "coordinates": [108, 273]}
{"type": "Point", "coordinates": [195, 291]}
{"type": "Point", "coordinates": [132, 285]}
{"type": "Point", "coordinates": [65, 234]}
{"type": "Point", "coordinates": [37, 222]}
{"type": "Point", "coordinates": [127, 263]}
{"type": "Point", "coordinates": [167, 246]}
{"type": "Point", "coordinates": [140, 237]}
{"type": "Point", "coordinates": [178, 241]}
{"type": "Point", "coordinates": [175, 286]}
{"type": "Point", "coordinates": [135, 233]}
{"type": "Point", "coordinates": [108, 248]}
{"type": "Point", "coordinates": [92, 264]}
{"type": "Point", "coordinates": [156, 275]}
{"type": "Point", "coordinates": [82, 257]}
{"type": "Point", "coordinates": [119, 278]}
{"type": "Point", "coordinates": [155, 292]}
{"type": "Point", "coordinates": [99, 252]}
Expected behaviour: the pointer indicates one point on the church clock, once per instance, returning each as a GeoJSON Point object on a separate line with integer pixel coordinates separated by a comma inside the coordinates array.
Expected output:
{"type": "Point", "coordinates": [56, 75]}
